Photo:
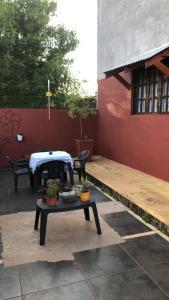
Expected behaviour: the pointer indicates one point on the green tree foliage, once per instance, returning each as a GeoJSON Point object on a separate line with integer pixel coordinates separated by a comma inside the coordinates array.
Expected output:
{"type": "Point", "coordinates": [33, 51]}
{"type": "Point", "coordinates": [81, 106]}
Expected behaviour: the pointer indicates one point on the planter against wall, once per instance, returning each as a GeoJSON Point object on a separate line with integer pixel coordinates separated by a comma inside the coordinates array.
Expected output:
{"type": "Point", "coordinates": [87, 144]}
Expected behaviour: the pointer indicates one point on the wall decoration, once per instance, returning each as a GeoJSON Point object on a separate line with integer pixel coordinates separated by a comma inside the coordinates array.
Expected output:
{"type": "Point", "coordinates": [11, 123]}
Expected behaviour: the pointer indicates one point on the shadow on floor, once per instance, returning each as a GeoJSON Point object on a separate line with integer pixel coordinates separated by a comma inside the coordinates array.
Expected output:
{"type": "Point", "coordinates": [25, 199]}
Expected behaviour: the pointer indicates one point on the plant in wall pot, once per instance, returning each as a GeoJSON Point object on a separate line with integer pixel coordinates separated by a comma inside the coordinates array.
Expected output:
{"type": "Point", "coordinates": [81, 107]}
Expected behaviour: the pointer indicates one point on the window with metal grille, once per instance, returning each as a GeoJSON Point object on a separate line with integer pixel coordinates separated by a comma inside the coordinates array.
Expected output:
{"type": "Point", "coordinates": [150, 91]}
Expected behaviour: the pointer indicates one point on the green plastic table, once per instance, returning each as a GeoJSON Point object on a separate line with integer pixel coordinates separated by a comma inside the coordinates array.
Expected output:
{"type": "Point", "coordinates": [42, 211]}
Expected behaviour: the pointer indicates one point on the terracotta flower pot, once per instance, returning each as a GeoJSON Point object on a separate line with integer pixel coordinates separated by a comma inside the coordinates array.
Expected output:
{"type": "Point", "coordinates": [51, 201]}
{"type": "Point", "coordinates": [87, 144]}
{"type": "Point", "coordinates": [85, 196]}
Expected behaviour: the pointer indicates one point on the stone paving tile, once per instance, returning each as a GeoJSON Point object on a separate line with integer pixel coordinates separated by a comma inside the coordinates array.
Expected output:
{"type": "Point", "coordinates": [100, 261]}
{"type": "Point", "coordinates": [18, 202]}
{"type": "Point", "coordinates": [5, 176]}
{"type": "Point", "coordinates": [9, 283]}
{"type": "Point", "coordinates": [44, 275]}
{"type": "Point", "coordinates": [4, 194]}
{"type": "Point", "coordinates": [17, 298]}
{"type": "Point", "coordinates": [23, 184]}
{"type": "Point", "coordinates": [131, 285]}
{"type": "Point", "coordinates": [160, 273]}
{"type": "Point", "coordinates": [76, 291]}
{"type": "Point", "coordinates": [11, 202]}
{"type": "Point", "coordinates": [98, 195]}
{"type": "Point", "coordinates": [148, 250]}
{"type": "Point", "coordinates": [124, 223]}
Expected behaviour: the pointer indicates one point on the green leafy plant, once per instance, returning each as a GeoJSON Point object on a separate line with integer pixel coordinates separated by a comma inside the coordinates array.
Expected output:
{"type": "Point", "coordinates": [79, 105]}
{"type": "Point", "coordinates": [33, 51]}
{"type": "Point", "coordinates": [146, 217]}
{"type": "Point", "coordinates": [85, 185]}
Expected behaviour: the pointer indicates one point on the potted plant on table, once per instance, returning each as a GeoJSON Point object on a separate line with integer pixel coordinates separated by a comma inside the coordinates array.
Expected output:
{"type": "Point", "coordinates": [52, 192]}
{"type": "Point", "coordinates": [81, 107]}
{"type": "Point", "coordinates": [85, 192]}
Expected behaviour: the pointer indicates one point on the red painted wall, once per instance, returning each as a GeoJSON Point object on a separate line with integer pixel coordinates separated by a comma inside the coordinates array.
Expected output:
{"type": "Point", "coordinates": [141, 142]}
{"type": "Point", "coordinates": [57, 134]}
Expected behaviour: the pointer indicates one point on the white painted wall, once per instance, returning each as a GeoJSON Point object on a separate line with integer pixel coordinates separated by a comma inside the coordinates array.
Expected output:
{"type": "Point", "coordinates": [127, 28]}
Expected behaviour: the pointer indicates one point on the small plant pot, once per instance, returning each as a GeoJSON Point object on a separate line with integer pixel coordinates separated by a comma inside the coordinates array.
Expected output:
{"type": "Point", "coordinates": [51, 201]}
{"type": "Point", "coordinates": [85, 196]}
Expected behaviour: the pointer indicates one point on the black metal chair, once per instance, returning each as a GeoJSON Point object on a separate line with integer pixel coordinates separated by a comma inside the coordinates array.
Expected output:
{"type": "Point", "coordinates": [19, 168]}
{"type": "Point", "coordinates": [79, 164]}
{"type": "Point", "coordinates": [50, 170]}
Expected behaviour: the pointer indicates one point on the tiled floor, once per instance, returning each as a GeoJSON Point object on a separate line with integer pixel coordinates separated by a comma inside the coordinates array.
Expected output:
{"type": "Point", "coordinates": [125, 224]}
{"type": "Point", "coordinates": [10, 202]}
{"type": "Point", "coordinates": [75, 291]}
{"type": "Point", "coordinates": [105, 273]}
{"type": "Point", "coordinates": [148, 250]}
{"type": "Point", "coordinates": [128, 285]}
{"type": "Point", "coordinates": [135, 270]}
{"type": "Point", "coordinates": [160, 273]}
{"type": "Point", "coordinates": [102, 261]}
{"type": "Point", "coordinates": [25, 200]}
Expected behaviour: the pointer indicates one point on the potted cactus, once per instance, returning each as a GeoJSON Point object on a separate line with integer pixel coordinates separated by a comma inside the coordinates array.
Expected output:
{"type": "Point", "coordinates": [85, 192]}
{"type": "Point", "coordinates": [52, 193]}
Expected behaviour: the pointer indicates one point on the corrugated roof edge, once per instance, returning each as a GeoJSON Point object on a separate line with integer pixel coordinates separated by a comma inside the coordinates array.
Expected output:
{"type": "Point", "coordinates": [140, 57]}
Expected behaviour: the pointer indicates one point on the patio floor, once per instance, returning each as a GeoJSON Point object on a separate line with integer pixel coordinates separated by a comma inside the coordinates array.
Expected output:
{"type": "Point", "coordinates": [149, 193]}
{"type": "Point", "coordinates": [124, 267]}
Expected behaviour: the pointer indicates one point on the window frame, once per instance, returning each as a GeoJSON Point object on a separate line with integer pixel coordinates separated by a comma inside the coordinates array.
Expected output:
{"type": "Point", "coordinates": [158, 78]}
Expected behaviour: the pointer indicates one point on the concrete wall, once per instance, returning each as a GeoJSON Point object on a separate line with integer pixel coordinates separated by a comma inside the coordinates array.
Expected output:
{"type": "Point", "coordinates": [141, 142]}
{"type": "Point", "coordinates": [127, 28]}
{"type": "Point", "coordinates": [57, 134]}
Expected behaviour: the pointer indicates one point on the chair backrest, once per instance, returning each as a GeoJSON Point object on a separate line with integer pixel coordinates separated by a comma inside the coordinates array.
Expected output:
{"type": "Point", "coordinates": [54, 169]}
{"type": "Point", "coordinates": [84, 155]}
{"type": "Point", "coordinates": [17, 164]}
